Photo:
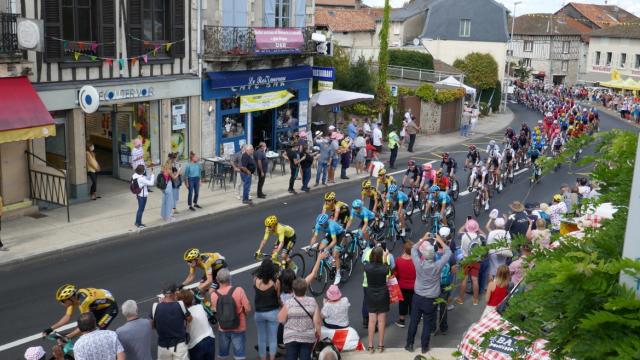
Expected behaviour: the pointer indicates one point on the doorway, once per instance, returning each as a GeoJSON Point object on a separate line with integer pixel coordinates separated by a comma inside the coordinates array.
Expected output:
{"type": "Point", "coordinates": [262, 127]}
{"type": "Point", "coordinates": [558, 79]}
{"type": "Point", "coordinates": [99, 133]}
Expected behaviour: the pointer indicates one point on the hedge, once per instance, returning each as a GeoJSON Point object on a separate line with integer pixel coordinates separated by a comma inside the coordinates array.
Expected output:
{"type": "Point", "coordinates": [428, 93]}
{"type": "Point", "coordinates": [411, 59]}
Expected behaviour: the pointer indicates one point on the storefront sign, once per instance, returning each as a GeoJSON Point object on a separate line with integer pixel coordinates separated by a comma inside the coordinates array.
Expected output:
{"type": "Point", "coordinates": [178, 117]}
{"type": "Point", "coordinates": [324, 73]}
{"type": "Point", "coordinates": [601, 68]}
{"type": "Point", "coordinates": [124, 93]}
{"type": "Point", "coordinates": [278, 40]}
{"type": "Point", "coordinates": [270, 100]}
{"type": "Point", "coordinates": [303, 111]}
{"type": "Point", "coordinates": [257, 79]}
{"type": "Point", "coordinates": [635, 72]}
{"type": "Point", "coordinates": [325, 85]}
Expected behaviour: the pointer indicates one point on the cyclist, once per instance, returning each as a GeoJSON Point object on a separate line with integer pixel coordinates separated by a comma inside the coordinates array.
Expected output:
{"type": "Point", "coordinates": [397, 200]}
{"type": "Point", "coordinates": [509, 134]}
{"type": "Point", "coordinates": [449, 163]}
{"type": "Point", "coordinates": [473, 156]}
{"type": "Point", "coordinates": [493, 164]}
{"type": "Point", "coordinates": [442, 180]}
{"type": "Point", "coordinates": [557, 141]}
{"type": "Point", "coordinates": [493, 148]}
{"type": "Point", "coordinates": [337, 210]}
{"type": "Point", "coordinates": [524, 127]}
{"type": "Point", "coordinates": [209, 262]}
{"type": "Point", "coordinates": [383, 181]}
{"type": "Point", "coordinates": [441, 199]}
{"type": "Point", "coordinates": [99, 301]}
{"type": "Point", "coordinates": [286, 238]}
{"type": "Point", "coordinates": [412, 174]}
{"type": "Point", "coordinates": [480, 177]}
{"type": "Point", "coordinates": [428, 176]}
{"type": "Point", "coordinates": [368, 191]}
{"type": "Point", "coordinates": [365, 215]}
{"type": "Point", "coordinates": [334, 236]}
{"type": "Point", "coordinates": [509, 155]}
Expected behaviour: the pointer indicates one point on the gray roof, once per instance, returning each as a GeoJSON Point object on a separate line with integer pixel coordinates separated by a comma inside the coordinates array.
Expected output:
{"type": "Point", "coordinates": [416, 7]}
{"type": "Point", "coordinates": [488, 20]}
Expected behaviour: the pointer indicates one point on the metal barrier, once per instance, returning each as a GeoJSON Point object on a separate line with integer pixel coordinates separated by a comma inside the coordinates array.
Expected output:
{"type": "Point", "coordinates": [431, 76]}
{"type": "Point", "coordinates": [48, 183]}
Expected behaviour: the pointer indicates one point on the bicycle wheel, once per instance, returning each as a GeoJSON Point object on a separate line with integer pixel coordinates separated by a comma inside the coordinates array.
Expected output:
{"type": "Point", "coordinates": [477, 204]}
{"type": "Point", "coordinates": [511, 175]}
{"type": "Point", "coordinates": [411, 207]}
{"type": "Point", "coordinates": [347, 263]}
{"type": "Point", "coordinates": [319, 283]}
{"type": "Point", "coordinates": [392, 237]}
{"type": "Point", "coordinates": [297, 264]}
{"type": "Point", "coordinates": [455, 189]}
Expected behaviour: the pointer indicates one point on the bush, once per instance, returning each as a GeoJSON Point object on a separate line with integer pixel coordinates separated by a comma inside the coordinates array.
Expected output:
{"type": "Point", "coordinates": [361, 109]}
{"type": "Point", "coordinates": [480, 70]}
{"type": "Point", "coordinates": [497, 97]}
{"type": "Point", "coordinates": [412, 59]}
{"type": "Point", "coordinates": [428, 93]}
{"type": "Point", "coordinates": [484, 109]}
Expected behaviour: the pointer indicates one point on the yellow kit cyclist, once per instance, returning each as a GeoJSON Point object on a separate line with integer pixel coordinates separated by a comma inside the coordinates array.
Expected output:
{"type": "Point", "coordinates": [209, 262]}
{"type": "Point", "coordinates": [338, 211]}
{"type": "Point", "coordinates": [285, 237]}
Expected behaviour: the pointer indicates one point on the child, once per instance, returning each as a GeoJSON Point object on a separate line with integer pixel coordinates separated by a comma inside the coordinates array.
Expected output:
{"type": "Point", "coordinates": [497, 289]}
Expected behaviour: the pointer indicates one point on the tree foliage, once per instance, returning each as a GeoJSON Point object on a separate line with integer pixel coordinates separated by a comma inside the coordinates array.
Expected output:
{"type": "Point", "coordinates": [428, 93]}
{"type": "Point", "coordinates": [521, 72]}
{"type": "Point", "coordinates": [382, 89]}
{"type": "Point", "coordinates": [349, 76]}
{"type": "Point", "coordinates": [480, 70]}
{"type": "Point", "coordinates": [412, 59]}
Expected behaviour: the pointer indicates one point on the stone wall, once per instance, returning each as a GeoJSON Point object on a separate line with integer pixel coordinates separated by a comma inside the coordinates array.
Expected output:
{"type": "Point", "coordinates": [430, 114]}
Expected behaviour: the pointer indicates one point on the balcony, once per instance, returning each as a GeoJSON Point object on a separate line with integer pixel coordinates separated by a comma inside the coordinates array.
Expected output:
{"type": "Point", "coordinates": [225, 43]}
{"type": "Point", "coordinates": [9, 37]}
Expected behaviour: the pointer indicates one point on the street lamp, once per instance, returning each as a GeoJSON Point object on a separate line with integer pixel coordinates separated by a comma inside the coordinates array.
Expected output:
{"type": "Point", "coordinates": [513, 23]}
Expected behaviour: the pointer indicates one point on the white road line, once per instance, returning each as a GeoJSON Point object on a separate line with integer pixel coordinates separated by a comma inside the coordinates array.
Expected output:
{"type": "Point", "coordinates": [466, 192]}
{"type": "Point", "coordinates": [70, 326]}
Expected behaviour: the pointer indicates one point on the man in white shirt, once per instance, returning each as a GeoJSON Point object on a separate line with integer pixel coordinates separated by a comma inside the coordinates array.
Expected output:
{"type": "Point", "coordinates": [96, 344]}
{"type": "Point", "coordinates": [377, 137]}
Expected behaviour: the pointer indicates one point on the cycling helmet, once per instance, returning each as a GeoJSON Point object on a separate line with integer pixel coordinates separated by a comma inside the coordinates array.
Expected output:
{"type": "Point", "coordinates": [366, 185]}
{"type": "Point", "coordinates": [382, 172]}
{"type": "Point", "coordinates": [411, 163]}
{"type": "Point", "coordinates": [434, 188]}
{"type": "Point", "coordinates": [270, 221]}
{"type": "Point", "coordinates": [65, 292]}
{"type": "Point", "coordinates": [393, 188]}
{"type": "Point", "coordinates": [557, 197]}
{"type": "Point", "coordinates": [439, 173]}
{"type": "Point", "coordinates": [356, 204]}
{"type": "Point", "coordinates": [472, 147]}
{"type": "Point", "coordinates": [191, 254]}
{"type": "Point", "coordinates": [445, 155]}
{"type": "Point", "coordinates": [444, 231]}
{"type": "Point", "coordinates": [492, 142]}
{"type": "Point", "coordinates": [329, 196]}
{"type": "Point", "coordinates": [427, 167]}
{"type": "Point", "coordinates": [322, 219]}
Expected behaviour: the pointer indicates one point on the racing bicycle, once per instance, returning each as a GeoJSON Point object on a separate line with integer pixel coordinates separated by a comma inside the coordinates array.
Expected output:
{"type": "Point", "coordinates": [478, 200]}
{"type": "Point", "coordinates": [66, 344]}
{"type": "Point", "coordinates": [296, 262]}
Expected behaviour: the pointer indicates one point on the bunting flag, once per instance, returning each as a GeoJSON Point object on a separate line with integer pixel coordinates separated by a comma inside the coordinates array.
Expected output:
{"type": "Point", "coordinates": [121, 63]}
{"type": "Point", "coordinates": [109, 62]}
{"type": "Point", "coordinates": [145, 58]}
{"type": "Point", "coordinates": [65, 43]}
{"type": "Point", "coordinates": [93, 57]}
{"type": "Point", "coordinates": [76, 55]}
{"type": "Point", "coordinates": [168, 46]}
{"type": "Point", "coordinates": [133, 61]}
{"type": "Point", "coordinates": [80, 45]}
{"type": "Point", "coordinates": [86, 45]}
{"type": "Point", "coordinates": [94, 46]}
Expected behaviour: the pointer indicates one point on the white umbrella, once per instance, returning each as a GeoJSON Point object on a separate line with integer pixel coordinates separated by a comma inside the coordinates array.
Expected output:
{"type": "Point", "coordinates": [451, 81]}
{"type": "Point", "coordinates": [338, 97]}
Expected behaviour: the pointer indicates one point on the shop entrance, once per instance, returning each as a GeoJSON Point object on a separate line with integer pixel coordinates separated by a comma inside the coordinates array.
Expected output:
{"type": "Point", "coordinates": [262, 127]}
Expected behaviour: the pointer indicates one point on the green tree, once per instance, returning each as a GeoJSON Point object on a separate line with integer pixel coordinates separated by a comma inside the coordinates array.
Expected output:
{"type": "Point", "coordinates": [480, 70]}
{"type": "Point", "coordinates": [359, 78]}
{"type": "Point", "coordinates": [382, 90]}
{"type": "Point", "coordinates": [521, 72]}
{"type": "Point", "coordinates": [412, 59]}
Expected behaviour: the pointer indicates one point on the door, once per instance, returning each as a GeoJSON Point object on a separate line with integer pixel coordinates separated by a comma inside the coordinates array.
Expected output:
{"type": "Point", "coordinates": [450, 116]}
{"type": "Point", "coordinates": [262, 127]}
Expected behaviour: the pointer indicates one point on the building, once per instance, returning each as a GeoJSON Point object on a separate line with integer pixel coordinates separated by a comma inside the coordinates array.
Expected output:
{"type": "Point", "coordinates": [339, 4]}
{"type": "Point", "coordinates": [596, 16]}
{"type": "Point", "coordinates": [352, 29]}
{"type": "Point", "coordinates": [549, 45]}
{"type": "Point", "coordinates": [614, 48]}
{"type": "Point", "coordinates": [406, 23]}
{"type": "Point", "coordinates": [258, 57]}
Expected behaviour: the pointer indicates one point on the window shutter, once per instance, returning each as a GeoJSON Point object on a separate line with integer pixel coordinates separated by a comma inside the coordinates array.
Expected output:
{"type": "Point", "coordinates": [108, 28]}
{"type": "Point", "coordinates": [134, 20]}
{"type": "Point", "coordinates": [269, 13]}
{"type": "Point", "coordinates": [53, 28]}
{"type": "Point", "coordinates": [177, 49]}
{"type": "Point", "coordinates": [300, 13]}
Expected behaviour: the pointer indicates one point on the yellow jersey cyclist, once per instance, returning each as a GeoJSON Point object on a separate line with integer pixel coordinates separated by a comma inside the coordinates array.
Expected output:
{"type": "Point", "coordinates": [337, 210]}
{"type": "Point", "coordinates": [397, 200]}
{"type": "Point", "coordinates": [368, 191]}
{"type": "Point", "coordinates": [209, 262]}
{"type": "Point", "coordinates": [98, 301]}
{"type": "Point", "coordinates": [285, 238]}
{"type": "Point", "coordinates": [383, 182]}
{"type": "Point", "coordinates": [334, 237]}
{"type": "Point", "coordinates": [366, 216]}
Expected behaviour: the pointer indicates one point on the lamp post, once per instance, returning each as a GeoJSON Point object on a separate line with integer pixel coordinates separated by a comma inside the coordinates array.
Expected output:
{"type": "Point", "coordinates": [513, 23]}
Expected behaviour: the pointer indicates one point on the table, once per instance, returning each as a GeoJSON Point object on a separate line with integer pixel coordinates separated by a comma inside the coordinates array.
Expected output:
{"type": "Point", "coordinates": [275, 159]}
{"type": "Point", "coordinates": [218, 168]}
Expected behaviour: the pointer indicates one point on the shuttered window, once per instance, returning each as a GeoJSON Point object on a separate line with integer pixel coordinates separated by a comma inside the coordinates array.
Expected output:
{"type": "Point", "coordinates": [152, 24]}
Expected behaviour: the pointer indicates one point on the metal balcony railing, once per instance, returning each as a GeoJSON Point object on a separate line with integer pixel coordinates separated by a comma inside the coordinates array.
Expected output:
{"type": "Point", "coordinates": [9, 35]}
{"type": "Point", "coordinates": [232, 43]}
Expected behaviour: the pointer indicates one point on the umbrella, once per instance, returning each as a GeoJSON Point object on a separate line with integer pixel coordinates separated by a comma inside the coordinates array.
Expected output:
{"type": "Point", "coordinates": [338, 97]}
{"type": "Point", "coordinates": [451, 81]}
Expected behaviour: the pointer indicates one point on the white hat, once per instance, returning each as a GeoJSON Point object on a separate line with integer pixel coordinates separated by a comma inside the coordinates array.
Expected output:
{"type": "Point", "coordinates": [34, 353]}
{"type": "Point", "coordinates": [494, 214]}
{"type": "Point", "coordinates": [500, 222]}
{"type": "Point", "coordinates": [444, 231]}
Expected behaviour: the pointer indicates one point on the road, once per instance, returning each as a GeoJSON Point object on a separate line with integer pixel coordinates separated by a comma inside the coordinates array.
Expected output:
{"type": "Point", "coordinates": [137, 267]}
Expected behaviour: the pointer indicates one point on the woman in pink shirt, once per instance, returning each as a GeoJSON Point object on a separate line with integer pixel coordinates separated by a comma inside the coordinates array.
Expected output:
{"type": "Point", "coordinates": [405, 272]}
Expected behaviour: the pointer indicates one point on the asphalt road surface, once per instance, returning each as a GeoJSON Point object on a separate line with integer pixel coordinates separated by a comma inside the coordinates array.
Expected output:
{"type": "Point", "coordinates": [137, 267]}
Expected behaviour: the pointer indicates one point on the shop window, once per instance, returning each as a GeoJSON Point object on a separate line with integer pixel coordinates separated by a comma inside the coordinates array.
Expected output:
{"type": "Point", "coordinates": [230, 103]}
{"type": "Point", "coordinates": [287, 123]}
{"type": "Point", "coordinates": [139, 121]}
{"type": "Point", "coordinates": [233, 126]}
{"type": "Point", "coordinates": [179, 127]}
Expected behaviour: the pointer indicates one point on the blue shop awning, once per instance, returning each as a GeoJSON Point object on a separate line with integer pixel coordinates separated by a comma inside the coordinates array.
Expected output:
{"type": "Point", "coordinates": [258, 78]}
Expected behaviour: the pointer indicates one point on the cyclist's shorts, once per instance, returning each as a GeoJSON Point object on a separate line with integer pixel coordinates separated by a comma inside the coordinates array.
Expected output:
{"type": "Point", "coordinates": [343, 215]}
{"type": "Point", "coordinates": [105, 316]}
{"type": "Point", "coordinates": [214, 273]}
{"type": "Point", "coordinates": [396, 206]}
{"type": "Point", "coordinates": [289, 243]}
{"type": "Point", "coordinates": [339, 244]}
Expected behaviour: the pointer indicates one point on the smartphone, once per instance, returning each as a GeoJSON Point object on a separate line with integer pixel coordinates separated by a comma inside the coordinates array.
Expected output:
{"type": "Point", "coordinates": [383, 245]}
{"type": "Point", "coordinates": [469, 217]}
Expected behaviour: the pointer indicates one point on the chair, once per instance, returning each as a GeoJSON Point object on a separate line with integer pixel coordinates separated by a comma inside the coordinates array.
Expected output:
{"type": "Point", "coordinates": [218, 176]}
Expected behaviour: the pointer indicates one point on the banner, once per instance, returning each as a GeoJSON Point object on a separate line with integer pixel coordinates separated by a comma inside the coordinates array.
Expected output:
{"type": "Point", "coordinates": [265, 101]}
{"type": "Point", "coordinates": [278, 40]}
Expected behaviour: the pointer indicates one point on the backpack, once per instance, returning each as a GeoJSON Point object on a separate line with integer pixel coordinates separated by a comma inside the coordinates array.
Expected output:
{"type": "Point", "coordinates": [445, 274]}
{"type": "Point", "coordinates": [134, 186]}
{"type": "Point", "coordinates": [226, 311]}
{"type": "Point", "coordinates": [161, 182]}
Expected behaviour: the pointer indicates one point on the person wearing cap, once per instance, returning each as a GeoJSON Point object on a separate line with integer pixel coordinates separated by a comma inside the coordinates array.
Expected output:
{"type": "Point", "coordinates": [518, 221]}
{"type": "Point", "coordinates": [497, 233]}
{"type": "Point", "coordinates": [470, 239]}
{"type": "Point", "coordinates": [335, 158]}
{"type": "Point", "coordinates": [557, 209]}
{"type": "Point", "coordinates": [326, 154]}
{"type": "Point", "coordinates": [335, 310]}
{"type": "Point", "coordinates": [446, 279]}
{"type": "Point", "coordinates": [393, 142]}
{"type": "Point", "coordinates": [170, 317]}
{"type": "Point", "coordinates": [35, 353]}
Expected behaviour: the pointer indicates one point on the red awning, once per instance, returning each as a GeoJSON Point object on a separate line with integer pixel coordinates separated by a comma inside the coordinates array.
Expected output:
{"type": "Point", "coordinates": [23, 116]}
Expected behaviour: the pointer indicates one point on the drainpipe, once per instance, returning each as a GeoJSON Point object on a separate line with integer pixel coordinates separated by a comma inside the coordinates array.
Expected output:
{"type": "Point", "coordinates": [199, 36]}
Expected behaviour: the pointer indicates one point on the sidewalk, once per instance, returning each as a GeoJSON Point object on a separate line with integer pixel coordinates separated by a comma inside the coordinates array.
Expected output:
{"type": "Point", "coordinates": [113, 216]}
{"type": "Point", "coordinates": [397, 354]}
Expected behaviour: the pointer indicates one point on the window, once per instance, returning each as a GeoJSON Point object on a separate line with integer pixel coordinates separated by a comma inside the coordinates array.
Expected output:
{"type": "Point", "coordinates": [283, 8]}
{"type": "Point", "coordinates": [637, 61]}
{"type": "Point", "coordinates": [155, 20]}
{"type": "Point", "coordinates": [526, 62]}
{"type": "Point", "coordinates": [179, 127]}
{"type": "Point", "coordinates": [528, 46]}
{"type": "Point", "coordinates": [596, 58]}
{"type": "Point", "coordinates": [623, 60]}
{"type": "Point", "coordinates": [609, 58]}
{"type": "Point", "coordinates": [465, 27]}
{"type": "Point", "coordinates": [565, 65]}
{"type": "Point", "coordinates": [566, 45]}
{"type": "Point", "coordinates": [151, 24]}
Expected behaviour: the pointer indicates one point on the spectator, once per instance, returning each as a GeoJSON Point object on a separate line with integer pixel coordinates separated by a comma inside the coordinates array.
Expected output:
{"type": "Point", "coordinates": [135, 334]}
{"type": "Point", "coordinates": [176, 180]}
{"type": "Point", "coordinates": [247, 168]}
{"type": "Point", "coordinates": [426, 288]}
{"type": "Point", "coordinates": [335, 152]}
{"type": "Point", "coordinates": [335, 311]}
{"type": "Point", "coordinates": [92, 171]}
{"type": "Point", "coordinates": [518, 221]}
{"type": "Point", "coordinates": [202, 343]}
{"type": "Point", "coordinates": [293, 157]}
{"type": "Point", "coordinates": [405, 272]}
{"type": "Point", "coordinates": [170, 318]}
{"type": "Point", "coordinates": [359, 144]}
{"type": "Point", "coordinates": [352, 128]}
{"type": "Point", "coordinates": [260, 157]}
{"type": "Point", "coordinates": [366, 255]}
{"type": "Point", "coordinates": [465, 123]}
{"type": "Point", "coordinates": [143, 182]}
{"type": "Point", "coordinates": [497, 289]}
{"type": "Point", "coordinates": [499, 256]}
{"type": "Point", "coordinates": [412, 129]}
{"type": "Point", "coordinates": [366, 127]}
{"type": "Point", "coordinates": [137, 157]}
{"type": "Point", "coordinates": [393, 140]}
{"type": "Point", "coordinates": [192, 172]}
{"type": "Point", "coordinates": [301, 318]}
{"type": "Point", "coordinates": [326, 154]}
{"type": "Point", "coordinates": [306, 161]}
{"type": "Point", "coordinates": [371, 153]}
{"type": "Point", "coordinates": [469, 240]}
{"type": "Point", "coordinates": [345, 157]}
{"type": "Point", "coordinates": [167, 191]}
{"type": "Point", "coordinates": [376, 138]}
{"type": "Point", "coordinates": [540, 235]}
{"type": "Point", "coordinates": [447, 276]}
{"type": "Point", "coordinates": [517, 268]}
{"type": "Point", "coordinates": [377, 296]}
{"type": "Point", "coordinates": [35, 353]}
{"type": "Point", "coordinates": [557, 209]}
{"type": "Point", "coordinates": [569, 197]}
{"type": "Point", "coordinates": [230, 338]}
{"type": "Point", "coordinates": [235, 163]}
{"type": "Point", "coordinates": [475, 113]}
{"type": "Point", "coordinates": [96, 344]}
{"type": "Point", "coordinates": [267, 305]}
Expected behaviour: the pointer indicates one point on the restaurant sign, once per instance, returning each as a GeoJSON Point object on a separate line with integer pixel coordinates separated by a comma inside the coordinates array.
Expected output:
{"type": "Point", "coordinates": [265, 101]}
{"type": "Point", "coordinates": [278, 40]}
{"type": "Point", "coordinates": [601, 68]}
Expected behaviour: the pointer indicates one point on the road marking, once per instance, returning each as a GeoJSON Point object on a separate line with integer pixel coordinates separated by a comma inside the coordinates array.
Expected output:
{"type": "Point", "coordinates": [466, 192]}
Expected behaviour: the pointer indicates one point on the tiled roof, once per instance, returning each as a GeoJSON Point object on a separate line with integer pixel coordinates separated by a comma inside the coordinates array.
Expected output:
{"type": "Point", "coordinates": [603, 15]}
{"type": "Point", "coordinates": [627, 30]}
{"type": "Point", "coordinates": [548, 24]}
{"type": "Point", "coordinates": [410, 9]}
{"type": "Point", "coordinates": [442, 66]}
{"type": "Point", "coordinates": [346, 20]}
{"type": "Point", "coordinates": [345, 3]}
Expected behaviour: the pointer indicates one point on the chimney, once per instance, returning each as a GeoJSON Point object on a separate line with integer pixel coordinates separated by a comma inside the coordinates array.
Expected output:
{"type": "Point", "coordinates": [616, 12]}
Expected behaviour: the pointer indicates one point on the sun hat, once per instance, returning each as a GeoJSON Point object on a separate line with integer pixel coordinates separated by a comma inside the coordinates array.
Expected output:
{"type": "Point", "coordinates": [444, 231]}
{"type": "Point", "coordinates": [331, 127]}
{"type": "Point", "coordinates": [500, 222]}
{"type": "Point", "coordinates": [557, 197]}
{"type": "Point", "coordinates": [34, 353]}
{"type": "Point", "coordinates": [471, 226]}
{"type": "Point", "coordinates": [494, 214]}
{"type": "Point", "coordinates": [517, 206]}
{"type": "Point", "coordinates": [333, 293]}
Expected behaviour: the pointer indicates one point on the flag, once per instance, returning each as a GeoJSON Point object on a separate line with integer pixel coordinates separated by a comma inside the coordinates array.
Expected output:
{"type": "Point", "coordinates": [65, 43]}
{"type": "Point", "coordinates": [121, 63]}
{"type": "Point", "coordinates": [145, 58]}
{"type": "Point", "coordinates": [80, 45]}
{"type": "Point", "coordinates": [76, 55]}
{"type": "Point", "coordinates": [93, 57]}
{"type": "Point", "coordinates": [94, 46]}
{"type": "Point", "coordinates": [133, 61]}
{"type": "Point", "coordinates": [109, 62]}
{"type": "Point", "coordinates": [168, 46]}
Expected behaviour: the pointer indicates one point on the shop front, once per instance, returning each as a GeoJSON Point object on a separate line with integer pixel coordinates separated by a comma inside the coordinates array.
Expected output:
{"type": "Point", "coordinates": [253, 106]}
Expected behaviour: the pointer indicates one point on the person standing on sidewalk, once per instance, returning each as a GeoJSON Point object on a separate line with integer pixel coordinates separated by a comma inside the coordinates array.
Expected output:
{"type": "Point", "coordinates": [465, 122]}
{"type": "Point", "coordinates": [306, 161]}
{"type": "Point", "coordinates": [235, 163]}
{"type": "Point", "coordinates": [260, 157]}
{"type": "Point", "coordinates": [324, 159]}
{"type": "Point", "coordinates": [412, 129]}
{"type": "Point", "coordinates": [137, 156]}
{"type": "Point", "coordinates": [345, 157]}
{"type": "Point", "coordinates": [293, 157]}
{"type": "Point", "coordinates": [92, 170]}
{"type": "Point", "coordinates": [165, 184]}
{"type": "Point", "coordinates": [405, 272]}
{"type": "Point", "coordinates": [247, 168]}
{"type": "Point", "coordinates": [376, 137]}
{"type": "Point", "coordinates": [335, 158]}
{"type": "Point", "coordinates": [192, 172]}
{"type": "Point", "coordinates": [143, 183]}
{"type": "Point", "coordinates": [393, 143]}
{"type": "Point", "coordinates": [366, 127]}
{"type": "Point", "coordinates": [176, 180]}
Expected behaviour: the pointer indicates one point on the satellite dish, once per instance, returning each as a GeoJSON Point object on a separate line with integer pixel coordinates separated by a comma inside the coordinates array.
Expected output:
{"type": "Point", "coordinates": [416, 42]}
